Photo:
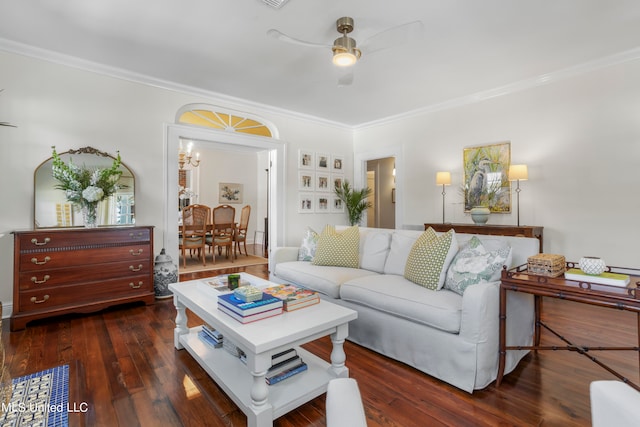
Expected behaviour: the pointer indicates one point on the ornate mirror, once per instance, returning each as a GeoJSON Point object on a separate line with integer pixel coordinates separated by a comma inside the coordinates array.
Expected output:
{"type": "Point", "coordinates": [51, 208]}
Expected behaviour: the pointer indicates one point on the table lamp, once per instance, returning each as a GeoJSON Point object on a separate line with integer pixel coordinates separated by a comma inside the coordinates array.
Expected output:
{"type": "Point", "coordinates": [518, 173]}
{"type": "Point", "coordinates": [443, 178]}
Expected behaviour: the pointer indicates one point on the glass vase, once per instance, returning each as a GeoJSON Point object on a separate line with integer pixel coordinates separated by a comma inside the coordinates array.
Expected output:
{"type": "Point", "coordinates": [90, 215]}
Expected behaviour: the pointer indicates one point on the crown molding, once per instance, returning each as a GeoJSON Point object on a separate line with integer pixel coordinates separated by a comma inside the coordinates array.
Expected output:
{"type": "Point", "coordinates": [119, 73]}
{"type": "Point", "coordinates": [544, 79]}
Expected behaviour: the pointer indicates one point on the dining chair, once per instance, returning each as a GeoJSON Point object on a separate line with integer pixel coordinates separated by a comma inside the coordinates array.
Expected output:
{"type": "Point", "coordinates": [222, 230]}
{"type": "Point", "coordinates": [241, 231]}
{"type": "Point", "coordinates": [194, 231]}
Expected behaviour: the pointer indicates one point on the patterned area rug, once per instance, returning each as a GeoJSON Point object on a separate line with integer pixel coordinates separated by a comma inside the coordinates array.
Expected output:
{"type": "Point", "coordinates": [39, 399]}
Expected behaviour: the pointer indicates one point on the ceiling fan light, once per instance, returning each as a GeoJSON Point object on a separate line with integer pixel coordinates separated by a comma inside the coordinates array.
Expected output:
{"type": "Point", "coordinates": [345, 52]}
{"type": "Point", "coordinates": [344, 59]}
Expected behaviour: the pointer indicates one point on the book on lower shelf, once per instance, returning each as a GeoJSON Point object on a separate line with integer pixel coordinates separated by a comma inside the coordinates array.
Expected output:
{"type": "Point", "coordinates": [252, 317]}
{"type": "Point", "coordinates": [205, 337]}
{"type": "Point", "coordinates": [286, 374]}
{"type": "Point", "coordinates": [285, 365]}
{"type": "Point", "coordinates": [243, 308]}
{"type": "Point", "coordinates": [293, 297]}
{"type": "Point", "coordinates": [607, 278]}
{"type": "Point", "coordinates": [283, 355]}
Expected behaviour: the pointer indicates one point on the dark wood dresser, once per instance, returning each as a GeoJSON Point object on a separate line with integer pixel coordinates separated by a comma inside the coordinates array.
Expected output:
{"type": "Point", "coordinates": [495, 230]}
{"type": "Point", "coordinates": [80, 270]}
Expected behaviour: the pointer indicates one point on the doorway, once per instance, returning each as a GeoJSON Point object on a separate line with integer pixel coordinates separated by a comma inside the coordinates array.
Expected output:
{"type": "Point", "coordinates": [381, 181]}
{"type": "Point", "coordinates": [215, 139]}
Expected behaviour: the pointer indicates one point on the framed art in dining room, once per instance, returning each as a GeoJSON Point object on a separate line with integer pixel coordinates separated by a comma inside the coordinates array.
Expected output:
{"type": "Point", "coordinates": [306, 202]}
{"type": "Point", "coordinates": [322, 161]}
{"type": "Point", "coordinates": [322, 203]}
{"type": "Point", "coordinates": [306, 180]}
{"type": "Point", "coordinates": [306, 159]}
{"type": "Point", "coordinates": [337, 163]}
{"type": "Point", "coordinates": [322, 182]}
{"type": "Point", "coordinates": [229, 192]}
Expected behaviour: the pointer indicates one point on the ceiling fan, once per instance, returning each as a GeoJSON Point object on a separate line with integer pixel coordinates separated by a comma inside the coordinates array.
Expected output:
{"type": "Point", "coordinates": [345, 52]}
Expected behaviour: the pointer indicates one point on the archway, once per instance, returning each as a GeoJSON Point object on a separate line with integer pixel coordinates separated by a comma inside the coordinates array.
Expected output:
{"type": "Point", "coordinates": [215, 137]}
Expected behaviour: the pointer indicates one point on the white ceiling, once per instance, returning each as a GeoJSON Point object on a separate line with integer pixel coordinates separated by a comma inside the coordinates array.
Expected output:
{"type": "Point", "coordinates": [468, 46]}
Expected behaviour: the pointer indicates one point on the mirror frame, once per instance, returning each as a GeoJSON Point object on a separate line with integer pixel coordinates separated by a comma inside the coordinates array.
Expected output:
{"type": "Point", "coordinates": [89, 151]}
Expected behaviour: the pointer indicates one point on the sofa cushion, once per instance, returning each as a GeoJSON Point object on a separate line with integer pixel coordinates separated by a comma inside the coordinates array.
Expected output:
{"type": "Point", "coordinates": [323, 279]}
{"type": "Point", "coordinates": [430, 257]}
{"type": "Point", "coordinates": [475, 264]}
{"type": "Point", "coordinates": [399, 297]}
{"type": "Point", "coordinates": [401, 243]}
{"type": "Point", "coordinates": [338, 249]}
{"type": "Point", "coordinates": [374, 248]}
{"type": "Point", "coordinates": [308, 246]}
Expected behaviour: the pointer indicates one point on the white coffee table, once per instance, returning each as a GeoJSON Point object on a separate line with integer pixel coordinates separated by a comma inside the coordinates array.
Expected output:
{"type": "Point", "coordinates": [245, 384]}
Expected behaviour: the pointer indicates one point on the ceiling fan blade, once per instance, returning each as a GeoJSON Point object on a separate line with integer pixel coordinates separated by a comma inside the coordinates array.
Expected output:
{"type": "Point", "coordinates": [278, 35]}
{"type": "Point", "coordinates": [394, 37]}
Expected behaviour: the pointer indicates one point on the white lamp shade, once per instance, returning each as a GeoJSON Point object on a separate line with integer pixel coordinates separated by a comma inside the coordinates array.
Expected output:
{"type": "Point", "coordinates": [443, 178]}
{"type": "Point", "coordinates": [518, 173]}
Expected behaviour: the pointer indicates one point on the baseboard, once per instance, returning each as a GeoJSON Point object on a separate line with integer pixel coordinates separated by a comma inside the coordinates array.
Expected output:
{"type": "Point", "coordinates": [7, 310]}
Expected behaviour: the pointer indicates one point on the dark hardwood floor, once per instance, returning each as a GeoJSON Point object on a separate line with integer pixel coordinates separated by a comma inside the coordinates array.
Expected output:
{"type": "Point", "coordinates": [124, 366]}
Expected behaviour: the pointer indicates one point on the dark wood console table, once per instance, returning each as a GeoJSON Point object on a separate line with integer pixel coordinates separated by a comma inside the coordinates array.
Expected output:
{"type": "Point", "coordinates": [621, 298]}
{"type": "Point", "coordinates": [495, 230]}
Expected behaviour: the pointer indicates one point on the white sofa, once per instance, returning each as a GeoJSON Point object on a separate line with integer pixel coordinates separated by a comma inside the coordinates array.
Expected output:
{"type": "Point", "coordinates": [449, 336]}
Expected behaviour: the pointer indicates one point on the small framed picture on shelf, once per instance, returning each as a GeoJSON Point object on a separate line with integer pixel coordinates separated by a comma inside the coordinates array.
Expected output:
{"type": "Point", "coordinates": [306, 159]}
{"type": "Point", "coordinates": [336, 180]}
{"type": "Point", "coordinates": [306, 202]}
{"type": "Point", "coordinates": [322, 161]}
{"type": "Point", "coordinates": [322, 203]}
{"type": "Point", "coordinates": [337, 163]}
{"type": "Point", "coordinates": [322, 182]}
{"type": "Point", "coordinates": [306, 180]}
{"type": "Point", "coordinates": [337, 205]}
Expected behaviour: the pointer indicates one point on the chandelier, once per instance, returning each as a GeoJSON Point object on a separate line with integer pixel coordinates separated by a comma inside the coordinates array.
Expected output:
{"type": "Point", "coordinates": [185, 156]}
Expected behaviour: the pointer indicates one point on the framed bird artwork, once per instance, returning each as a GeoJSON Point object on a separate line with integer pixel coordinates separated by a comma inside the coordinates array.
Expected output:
{"type": "Point", "coordinates": [485, 181]}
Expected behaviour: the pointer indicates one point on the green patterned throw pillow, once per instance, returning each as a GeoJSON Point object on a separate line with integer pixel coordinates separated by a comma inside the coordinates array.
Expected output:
{"type": "Point", "coordinates": [308, 246]}
{"type": "Point", "coordinates": [338, 249]}
{"type": "Point", "coordinates": [474, 264]}
{"type": "Point", "coordinates": [429, 258]}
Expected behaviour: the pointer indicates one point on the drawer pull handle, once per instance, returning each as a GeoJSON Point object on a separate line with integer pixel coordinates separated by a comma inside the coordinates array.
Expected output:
{"type": "Point", "coordinates": [135, 286]}
{"type": "Point", "coordinates": [35, 300]}
{"type": "Point", "coordinates": [133, 235]}
{"type": "Point", "coordinates": [134, 253]}
{"type": "Point", "coordinates": [35, 241]}
{"type": "Point", "coordinates": [44, 261]}
{"type": "Point", "coordinates": [35, 280]}
{"type": "Point", "coordinates": [132, 268]}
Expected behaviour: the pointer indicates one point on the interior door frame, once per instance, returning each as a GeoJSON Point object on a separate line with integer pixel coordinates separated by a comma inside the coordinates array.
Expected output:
{"type": "Point", "coordinates": [277, 199]}
{"type": "Point", "coordinates": [360, 176]}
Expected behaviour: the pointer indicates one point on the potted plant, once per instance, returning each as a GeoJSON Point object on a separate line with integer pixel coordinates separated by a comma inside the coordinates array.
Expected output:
{"type": "Point", "coordinates": [356, 201]}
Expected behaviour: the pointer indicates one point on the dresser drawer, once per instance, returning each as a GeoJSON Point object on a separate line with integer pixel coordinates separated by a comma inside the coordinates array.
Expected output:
{"type": "Point", "coordinates": [77, 295]}
{"type": "Point", "coordinates": [83, 274]}
{"type": "Point", "coordinates": [42, 241]}
{"type": "Point", "coordinates": [44, 261]}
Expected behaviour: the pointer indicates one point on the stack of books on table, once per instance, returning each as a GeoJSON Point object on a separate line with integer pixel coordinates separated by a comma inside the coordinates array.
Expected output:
{"type": "Point", "coordinates": [212, 337]}
{"type": "Point", "coordinates": [293, 297]}
{"type": "Point", "coordinates": [246, 312]}
{"type": "Point", "coordinates": [284, 365]}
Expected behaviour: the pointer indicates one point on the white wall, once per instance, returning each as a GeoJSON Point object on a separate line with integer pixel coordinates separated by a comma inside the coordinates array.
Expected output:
{"type": "Point", "coordinates": [580, 138]}
{"type": "Point", "coordinates": [53, 104]}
